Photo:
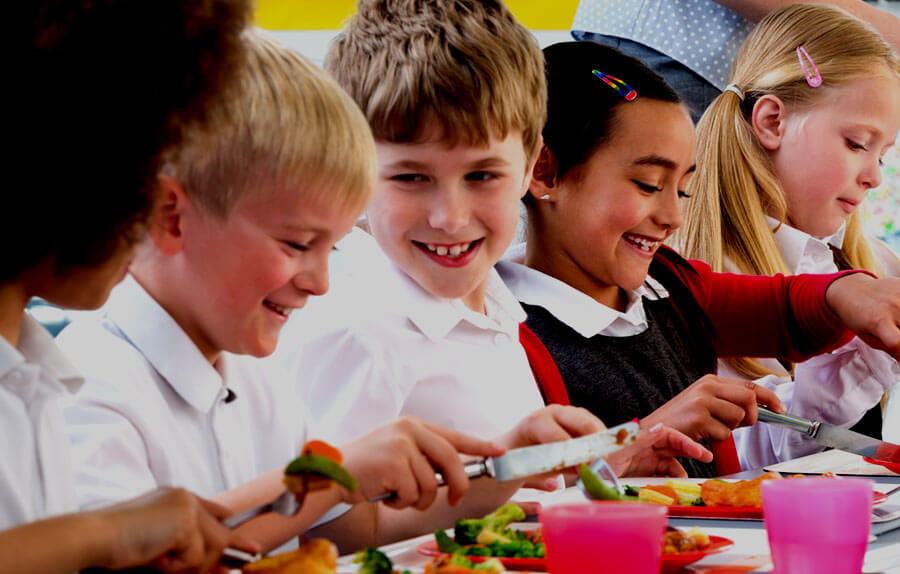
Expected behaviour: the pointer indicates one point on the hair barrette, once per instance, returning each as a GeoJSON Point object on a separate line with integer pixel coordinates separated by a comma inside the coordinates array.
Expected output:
{"type": "Point", "coordinates": [813, 78]}
{"type": "Point", "coordinates": [618, 85]}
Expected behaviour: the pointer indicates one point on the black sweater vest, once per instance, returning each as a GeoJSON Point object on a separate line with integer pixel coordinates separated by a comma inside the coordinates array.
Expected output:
{"type": "Point", "coordinates": [622, 378]}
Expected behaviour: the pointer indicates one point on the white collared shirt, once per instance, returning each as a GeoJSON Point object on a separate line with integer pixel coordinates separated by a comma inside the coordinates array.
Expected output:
{"type": "Point", "coordinates": [574, 308]}
{"type": "Point", "coordinates": [36, 475]}
{"type": "Point", "coordinates": [836, 387]}
{"type": "Point", "coordinates": [153, 411]}
{"type": "Point", "coordinates": [403, 351]}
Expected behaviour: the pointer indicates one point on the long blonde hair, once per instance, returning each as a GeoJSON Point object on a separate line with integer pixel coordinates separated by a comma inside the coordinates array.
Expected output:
{"type": "Point", "coordinates": [735, 185]}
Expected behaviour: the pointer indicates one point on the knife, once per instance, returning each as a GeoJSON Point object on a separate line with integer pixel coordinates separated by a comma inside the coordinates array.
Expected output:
{"type": "Point", "coordinates": [528, 461]}
{"type": "Point", "coordinates": [834, 436]}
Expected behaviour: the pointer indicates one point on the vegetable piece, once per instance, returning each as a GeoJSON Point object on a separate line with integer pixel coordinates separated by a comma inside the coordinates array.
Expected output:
{"type": "Point", "coordinates": [688, 492]}
{"type": "Point", "coordinates": [373, 561]}
{"type": "Point", "coordinates": [447, 544]}
{"type": "Point", "coordinates": [597, 488]}
{"type": "Point", "coordinates": [653, 495]}
{"type": "Point", "coordinates": [317, 468]}
{"type": "Point", "coordinates": [467, 530]}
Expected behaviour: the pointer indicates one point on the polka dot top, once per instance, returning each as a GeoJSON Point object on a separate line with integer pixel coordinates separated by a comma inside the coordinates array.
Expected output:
{"type": "Point", "coordinates": [700, 34]}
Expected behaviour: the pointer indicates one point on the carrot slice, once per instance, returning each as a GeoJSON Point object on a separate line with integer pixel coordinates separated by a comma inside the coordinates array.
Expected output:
{"type": "Point", "coordinates": [322, 448]}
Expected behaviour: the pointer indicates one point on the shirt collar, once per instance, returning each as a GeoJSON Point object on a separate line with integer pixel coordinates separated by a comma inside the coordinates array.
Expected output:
{"type": "Point", "coordinates": [574, 308]}
{"type": "Point", "coordinates": [436, 317]}
{"type": "Point", "coordinates": [37, 346]}
{"type": "Point", "coordinates": [795, 245]}
{"type": "Point", "coordinates": [165, 345]}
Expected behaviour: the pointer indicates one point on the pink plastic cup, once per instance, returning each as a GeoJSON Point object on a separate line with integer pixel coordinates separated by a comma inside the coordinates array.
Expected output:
{"type": "Point", "coordinates": [608, 537]}
{"type": "Point", "coordinates": [817, 525]}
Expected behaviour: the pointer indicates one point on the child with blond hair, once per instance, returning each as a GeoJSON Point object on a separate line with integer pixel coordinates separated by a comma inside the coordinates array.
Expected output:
{"type": "Point", "coordinates": [787, 155]}
{"type": "Point", "coordinates": [238, 240]}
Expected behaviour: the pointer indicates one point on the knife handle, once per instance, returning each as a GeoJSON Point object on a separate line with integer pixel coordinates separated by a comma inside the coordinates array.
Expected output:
{"type": "Point", "coordinates": [790, 421]}
{"type": "Point", "coordinates": [473, 469]}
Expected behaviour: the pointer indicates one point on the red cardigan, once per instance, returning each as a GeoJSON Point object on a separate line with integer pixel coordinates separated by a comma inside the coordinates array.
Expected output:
{"type": "Point", "coordinates": [754, 316]}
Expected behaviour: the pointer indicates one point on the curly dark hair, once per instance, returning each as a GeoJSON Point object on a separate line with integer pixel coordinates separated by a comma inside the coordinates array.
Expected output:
{"type": "Point", "coordinates": [101, 89]}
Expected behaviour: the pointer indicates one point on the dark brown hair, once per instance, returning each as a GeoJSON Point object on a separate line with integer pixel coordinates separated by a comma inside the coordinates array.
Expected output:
{"type": "Point", "coordinates": [102, 87]}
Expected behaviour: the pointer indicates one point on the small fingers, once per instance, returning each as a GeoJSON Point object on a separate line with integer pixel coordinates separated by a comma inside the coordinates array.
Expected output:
{"type": "Point", "coordinates": [464, 443]}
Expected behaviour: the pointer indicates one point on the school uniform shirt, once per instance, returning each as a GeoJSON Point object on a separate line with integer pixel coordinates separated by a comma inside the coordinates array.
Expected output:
{"type": "Point", "coordinates": [837, 387]}
{"type": "Point", "coordinates": [36, 474]}
{"type": "Point", "coordinates": [618, 365]}
{"type": "Point", "coordinates": [155, 412]}
{"type": "Point", "coordinates": [407, 352]}
{"type": "Point", "coordinates": [654, 375]}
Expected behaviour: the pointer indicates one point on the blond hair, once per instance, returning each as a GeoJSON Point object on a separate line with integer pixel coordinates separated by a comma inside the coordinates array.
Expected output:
{"type": "Point", "coordinates": [735, 185]}
{"type": "Point", "coordinates": [286, 122]}
{"type": "Point", "coordinates": [468, 65]}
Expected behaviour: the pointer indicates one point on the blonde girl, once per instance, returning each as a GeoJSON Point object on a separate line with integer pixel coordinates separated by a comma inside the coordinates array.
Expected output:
{"type": "Point", "coordinates": [786, 155]}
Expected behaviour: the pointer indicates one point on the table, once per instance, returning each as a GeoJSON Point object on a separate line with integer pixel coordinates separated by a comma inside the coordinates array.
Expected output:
{"type": "Point", "coordinates": [750, 552]}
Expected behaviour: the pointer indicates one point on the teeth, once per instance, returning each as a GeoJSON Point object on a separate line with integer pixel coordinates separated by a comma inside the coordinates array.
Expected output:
{"type": "Point", "coordinates": [454, 250]}
{"type": "Point", "coordinates": [278, 308]}
{"type": "Point", "coordinates": [644, 244]}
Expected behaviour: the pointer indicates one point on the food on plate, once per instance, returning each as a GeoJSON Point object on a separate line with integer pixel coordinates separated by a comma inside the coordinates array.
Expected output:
{"type": "Point", "coordinates": [317, 468]}
{"type": "Point", "coordinates": [658, 493]}
{"type": "Point", "coordinates": [690, 540]}
{"type": "Point", "coordinates": [714, 492]}
{"type": "Point", "coordinates": [717, 492]}
{"type": "Point", "coordinates": [490, 536]}
{"type": "Point", "coordinates": [459, 565]}
{"type": "Point", "coordinates": [374, 561]}
{"type": "Point", "coordinates": [490, 528]}
{"type": "Point", "coordinates": [315, 556]}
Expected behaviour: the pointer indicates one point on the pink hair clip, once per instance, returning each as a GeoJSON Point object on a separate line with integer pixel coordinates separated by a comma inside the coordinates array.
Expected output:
{"type": "Point", "coordinates": [814, 78]}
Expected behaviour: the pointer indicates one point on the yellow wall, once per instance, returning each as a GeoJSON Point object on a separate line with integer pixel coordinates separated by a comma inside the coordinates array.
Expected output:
{"type": "Point", "coordinates": [330, 14]}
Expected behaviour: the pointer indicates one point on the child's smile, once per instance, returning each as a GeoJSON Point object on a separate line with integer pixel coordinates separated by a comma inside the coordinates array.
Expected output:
{"type": "Point", "coordinates": [453, 254]}
{"type": "Point", "coordinates": [609, 219]}
{"type": "Point", "coordinates": [445, 215]}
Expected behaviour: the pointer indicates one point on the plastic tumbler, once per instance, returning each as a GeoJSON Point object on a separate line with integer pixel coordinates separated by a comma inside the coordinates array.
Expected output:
{"type": "Point", "coordinates": [818, 525]}
{"type": "Point", "coordinates": [608, 537]}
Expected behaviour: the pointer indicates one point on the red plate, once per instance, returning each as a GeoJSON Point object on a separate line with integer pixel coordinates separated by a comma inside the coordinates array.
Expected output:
{"type": "Point", "coordinates": [891, 466]}
{"type": "Point", "coordinates": [670, 562]}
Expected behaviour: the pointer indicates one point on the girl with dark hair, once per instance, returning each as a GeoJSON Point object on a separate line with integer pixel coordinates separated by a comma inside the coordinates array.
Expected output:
{"type": "Point", "coordinates": [634, 329]}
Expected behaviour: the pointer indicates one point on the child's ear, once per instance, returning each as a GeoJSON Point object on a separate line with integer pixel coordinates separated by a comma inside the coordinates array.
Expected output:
{"type": "Point", "coordinates": [769, 120]}
{"type": "Point", "coordinates": [543, 183]}
{"type": "Point", "coordinates": [166, 227]}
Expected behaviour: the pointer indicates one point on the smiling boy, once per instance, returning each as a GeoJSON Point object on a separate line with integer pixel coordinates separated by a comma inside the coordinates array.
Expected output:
{"type": "Point", "coordinates": [239, 239]}
{"type": "Point", "coordinates": [435, 333]}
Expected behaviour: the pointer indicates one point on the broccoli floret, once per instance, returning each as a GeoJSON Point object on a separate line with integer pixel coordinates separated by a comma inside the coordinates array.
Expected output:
{"type": "Point", "coordinates": [477, 551]}
{"type": "Point", "coordinates": [373, 561]}
{"type": "Point", "coordinates": [467, 529]}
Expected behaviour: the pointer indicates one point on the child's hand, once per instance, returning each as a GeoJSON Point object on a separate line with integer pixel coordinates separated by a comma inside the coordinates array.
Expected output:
{"type": "Point", "coordinates": [713, 406]}
{"type": "Point", "coordinates": [653, 453]}
{"type": "Point", "coordinates": [168, 529]}
{"type": "Point", "coordinates": [870, 308]}
{"type": "Point", "coordinates": [402, 457]}
{"type": "Point", "coordinates": [551, 424]}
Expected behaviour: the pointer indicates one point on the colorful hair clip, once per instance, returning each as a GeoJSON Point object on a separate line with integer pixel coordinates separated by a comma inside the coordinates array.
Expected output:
{"type": "Point", "coordinates": [618, 85]}
{"type": "Point", "coordinates": [814, 78]}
